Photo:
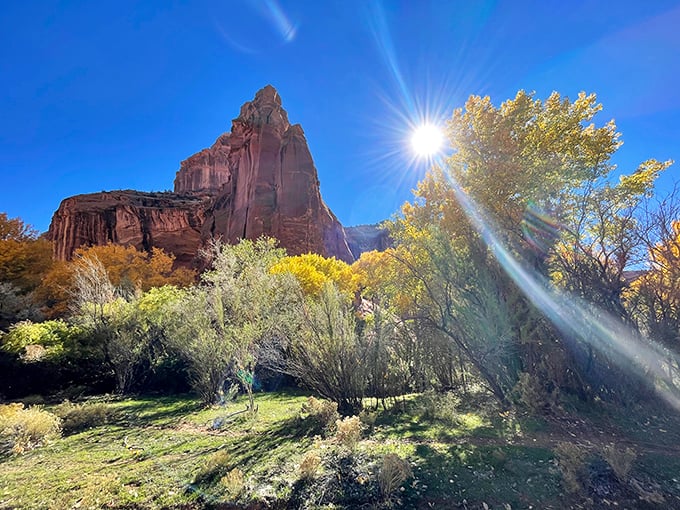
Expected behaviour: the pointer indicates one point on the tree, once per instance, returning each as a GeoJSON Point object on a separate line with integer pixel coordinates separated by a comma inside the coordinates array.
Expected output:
{"type": "Point", "coordinates": [24, 260]}
{"type": "Point", "coordinates": [329, 355]}
{"type": "Point", "coordinates": [129, 268]}
{"type": "Point", "coordinates": [525, 177]}
{"type": "Point", "coordinates": [313, 271]}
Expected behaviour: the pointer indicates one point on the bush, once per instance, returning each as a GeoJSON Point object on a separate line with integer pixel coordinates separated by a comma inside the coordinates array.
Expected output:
{"type": "Point", "coordinates": [368, 419]}
{"type": "Point", "coordinates": [323, 413]}
{"type": "Point", "coordinates": [348, 432]}
{"type": "Point", "coordinates": [23, 429]}
{"type": "Point", "coordinates": [309, 465]}
{"type": "Point", "coordinates": [234, 482]}
{"type": "Point", "coordinates": [77, 417]}
{"type": "Point", "coordinates": [571, 461]}
{"type": "Point", "coordinates": [393, 472]}
{"type": "Point", "coordinates": [620, 460]}
{"type": "Point", "coordinates": [531, 394]}
{"type": "Point", "coordinates": [440, 407]}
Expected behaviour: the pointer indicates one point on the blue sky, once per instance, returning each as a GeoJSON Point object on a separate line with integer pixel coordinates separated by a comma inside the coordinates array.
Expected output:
{"type": "Point", "coordinates": [113, 95]}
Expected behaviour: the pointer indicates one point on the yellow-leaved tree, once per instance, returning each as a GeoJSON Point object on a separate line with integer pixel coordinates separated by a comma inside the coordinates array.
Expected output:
{"type": "Point", "coordinates": [313, 271]}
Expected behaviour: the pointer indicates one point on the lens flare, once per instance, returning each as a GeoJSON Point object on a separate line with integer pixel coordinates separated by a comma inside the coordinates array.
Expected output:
{"type": "Point", "coordinates": [577, 319]}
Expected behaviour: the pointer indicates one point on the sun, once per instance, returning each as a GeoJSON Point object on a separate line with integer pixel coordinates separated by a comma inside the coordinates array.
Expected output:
{"type": "Point", "coordinates": [427, 139]}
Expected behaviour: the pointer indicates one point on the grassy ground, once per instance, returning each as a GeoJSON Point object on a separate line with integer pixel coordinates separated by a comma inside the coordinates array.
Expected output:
{"type": "Point", "coordinates": [171, 453]}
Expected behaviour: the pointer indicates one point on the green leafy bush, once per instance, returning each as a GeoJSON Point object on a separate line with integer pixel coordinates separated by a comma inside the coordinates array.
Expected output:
{"type": "Point", "coordinates": [24, 429]}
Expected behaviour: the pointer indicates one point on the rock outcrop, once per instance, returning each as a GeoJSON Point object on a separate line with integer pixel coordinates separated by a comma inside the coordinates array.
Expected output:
{"type": "Point", "coordinates": [259, 179]}
{"type": "Point", "coordinates": [367, 238]}
{"type": "Point", "coordinates": [144, 220]}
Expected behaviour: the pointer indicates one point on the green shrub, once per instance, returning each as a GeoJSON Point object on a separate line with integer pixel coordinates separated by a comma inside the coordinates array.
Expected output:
{"type": "Point", "coordinates": [441, 407]}
{"type": "Point", "coordinates": [77, 417]}
{"type": "Point", "coordinates": [23, 429]}
{"type": "Point", "coordinates": [368, 419]}
{"type": "Point", "coordinates": [348, 432]}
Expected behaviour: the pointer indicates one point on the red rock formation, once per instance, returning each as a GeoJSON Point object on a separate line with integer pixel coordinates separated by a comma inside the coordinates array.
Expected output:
{"type": "Point", "coordinates": [273, 187]}
{"type": "Point", "coordinates": [144, 220]}
{"type": "Point", "coordinates": [257, 180]}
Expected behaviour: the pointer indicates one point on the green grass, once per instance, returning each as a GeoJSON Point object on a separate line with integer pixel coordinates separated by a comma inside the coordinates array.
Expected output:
{"type": "Point", "coordinates": [164, 452]}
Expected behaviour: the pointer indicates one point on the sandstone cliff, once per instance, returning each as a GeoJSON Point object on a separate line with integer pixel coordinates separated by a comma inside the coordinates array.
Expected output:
{"type": "Point", "coordinates": [259, 179]}
{"type": "Point", "coordinates": [144, 220]}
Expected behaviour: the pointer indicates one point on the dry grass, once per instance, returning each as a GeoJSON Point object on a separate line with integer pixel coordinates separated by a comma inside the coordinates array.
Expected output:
{"type": "Point", "coordinates": [24, 429]}
{"type": "Point", "coordinates": [393, 472]}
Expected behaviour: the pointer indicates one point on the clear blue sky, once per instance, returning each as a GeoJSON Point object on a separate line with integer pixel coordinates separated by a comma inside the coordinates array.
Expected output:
{"type": "Point", "coordinates": [101, 95]}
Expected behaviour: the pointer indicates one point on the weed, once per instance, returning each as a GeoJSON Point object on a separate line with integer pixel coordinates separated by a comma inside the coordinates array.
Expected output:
{"type": "Point", "coordinates": [234, 482]}
{"type": "Point", "coordinates": [23, 429]}
{"type": "Point", "coordinates": [619, 459]}
{"type": "Point", "coordinates": [77, 417]}
{"type": "Point", "coordinates": [348, 432]}
{"type": "Point", "coordinates": [323, 413]}
{"type": "Point", "coordinates": [309, 465]}
{"type": "Point", "coordinates": [216, 466]}
{"type": "Point", "coordinates": [571, 461]}
{"type": "Point", "coordinates": [393, 472]}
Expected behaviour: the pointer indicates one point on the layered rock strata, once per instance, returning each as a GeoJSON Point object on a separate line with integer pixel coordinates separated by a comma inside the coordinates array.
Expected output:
{"type": "Point", "coordinates": [259, 179]}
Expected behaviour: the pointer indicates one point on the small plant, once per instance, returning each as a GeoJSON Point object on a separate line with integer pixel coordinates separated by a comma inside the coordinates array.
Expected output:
{"type": "Point", "coordinates": [309, 465]}
{"type": "Point", "coordinates": [323, 413]}
{"type": "Point", "coordinates": [24, 429]}
{"type": "Point", "coordinates": [531, 394]}
{"type": "Point", "coordinates": [348, 432]}
{"type": "Point", "coordinates": [620, 460]}
{"type": "Point", "coordinates": [216, 466]}
{"type": "Point", "coordinates": [77, 417]}
{"type": "Point", "coordinates": [571, 461]}
{"type": "Point", "coordinates": [234, 483]}
{"type": "Point", "coordinates": [393, 472]}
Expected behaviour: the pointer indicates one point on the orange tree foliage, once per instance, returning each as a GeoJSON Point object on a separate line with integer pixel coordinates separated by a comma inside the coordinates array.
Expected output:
{"type": "Point", "coordinates": [127, 266]}
{"type": "Point", "coordinates": [655, 295]}
{"type": "Point", "coordinates": [24, 257]}
{"type": "Point", "coordinates": [313, 271]}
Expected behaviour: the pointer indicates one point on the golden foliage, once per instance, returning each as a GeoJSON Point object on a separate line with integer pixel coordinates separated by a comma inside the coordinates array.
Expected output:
{"type": "Point", "coordinates": [313, 271]}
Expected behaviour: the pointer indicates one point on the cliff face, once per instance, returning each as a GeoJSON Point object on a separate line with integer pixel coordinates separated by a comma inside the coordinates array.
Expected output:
{"type": "Point", "coordinates": [259, 179]}
{"type": "Point", "coordinates": [144, 220]}
{"type": "Point", "coordinates": [367, 238]}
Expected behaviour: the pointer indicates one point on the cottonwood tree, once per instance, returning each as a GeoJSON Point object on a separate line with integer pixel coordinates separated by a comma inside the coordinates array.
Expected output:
{"type": "Point", "coordinates": [528, 157]}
